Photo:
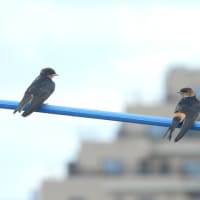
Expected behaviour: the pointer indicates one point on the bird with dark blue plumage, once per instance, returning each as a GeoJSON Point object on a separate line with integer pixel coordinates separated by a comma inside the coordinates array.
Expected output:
{"type": "Point", "coordinates": [39, 90]}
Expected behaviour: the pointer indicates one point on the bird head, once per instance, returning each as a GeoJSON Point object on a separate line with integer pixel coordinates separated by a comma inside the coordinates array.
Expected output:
{"type": "Point", "coordinates": [49, 72]}
{"type": "Point", "coordinates": [187, 92]}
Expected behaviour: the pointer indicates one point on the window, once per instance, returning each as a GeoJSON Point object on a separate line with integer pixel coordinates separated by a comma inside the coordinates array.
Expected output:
{"type": "Point", "coordinates": [191, 167]}
{"type": "Point", "coordinates": [112, 166]}
{"type": "Point", "coordinates": [164, 167]}
{"type": "Point", "coordinates": [144, 167]}
{"type": "Point", "coordinates": [194, 195]}
{"type": "Point", "coordinates": [147, 197]}
{"type": "Point", "coordinates": [76, 198]}
{"type": "Point", "coordinates": [73, 168]}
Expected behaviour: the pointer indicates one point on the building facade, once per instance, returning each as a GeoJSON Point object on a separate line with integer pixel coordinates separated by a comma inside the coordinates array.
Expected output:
{"type": "Point", "coordinates": [139, 164]}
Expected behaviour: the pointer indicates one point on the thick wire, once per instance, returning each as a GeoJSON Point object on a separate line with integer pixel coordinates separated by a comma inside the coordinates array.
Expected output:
{"type": "Point", "coordinates": [99, 114]}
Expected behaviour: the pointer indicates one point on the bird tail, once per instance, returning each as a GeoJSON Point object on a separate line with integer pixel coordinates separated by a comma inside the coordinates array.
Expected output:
{"type": "Point", "coordinates": [186, 126]}
{"type": "Point", "coordinates": [175, 122]}
{"type": "Point", "coordinates": [27, 112]}
{"type": "Point", "coordinates": [26, 99]}
{"type": "Point", "coordinates": [32, 107]}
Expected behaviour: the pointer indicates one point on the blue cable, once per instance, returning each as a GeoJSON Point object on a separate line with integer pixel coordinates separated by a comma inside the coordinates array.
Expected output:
{"type": "Point", "coordinates": [98, 114]}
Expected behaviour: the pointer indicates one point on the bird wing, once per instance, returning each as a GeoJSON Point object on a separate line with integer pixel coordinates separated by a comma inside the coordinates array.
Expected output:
{"type": "Point", "coordinates": [175, 122]}
{"type": "Point", "coordinates": [44, 90]}
{"type": "Point", "coordinates": [189, 103]}
{"type": "Point", "coordinates": [29, 94]}
{"type": "Point", "coordinates": [189, 120]}
{"type": "Point", "coordinates": [27, 98]}
{"type": "Point", "coordinates": [181, 105]}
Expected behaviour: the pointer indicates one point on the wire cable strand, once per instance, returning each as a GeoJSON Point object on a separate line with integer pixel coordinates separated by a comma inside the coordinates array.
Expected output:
{"type": "Point", "coordinates": [99, 114]}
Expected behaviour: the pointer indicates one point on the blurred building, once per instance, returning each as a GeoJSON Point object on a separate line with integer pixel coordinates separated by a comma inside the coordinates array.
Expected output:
{"type": "Point", "coordinates": [139, 164]}
{"type": "Point", "coordinates": [179, 78]}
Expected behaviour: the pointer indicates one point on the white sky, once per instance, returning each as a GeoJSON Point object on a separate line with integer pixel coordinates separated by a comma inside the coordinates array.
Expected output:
{"type": "Point", "coordinates": [106, 52]}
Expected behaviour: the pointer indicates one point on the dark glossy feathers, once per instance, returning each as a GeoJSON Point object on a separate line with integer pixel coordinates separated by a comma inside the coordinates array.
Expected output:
{"type": "Point", "coordinates": [40, 89]}
{"type": "Point", "coordinates": [186, 112]}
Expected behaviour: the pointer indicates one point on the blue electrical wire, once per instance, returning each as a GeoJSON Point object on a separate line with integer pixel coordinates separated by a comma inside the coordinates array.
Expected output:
{"type": "Point", "coordinates": [98, 114]}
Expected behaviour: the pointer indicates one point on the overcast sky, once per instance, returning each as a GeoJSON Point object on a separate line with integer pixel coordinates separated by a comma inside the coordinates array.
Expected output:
{"type": "Point", "coordinates": [106, 53]}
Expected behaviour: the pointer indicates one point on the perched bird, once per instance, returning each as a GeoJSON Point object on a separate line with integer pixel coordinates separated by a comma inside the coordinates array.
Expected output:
{"type": "Point", "coordinates": [39, 90]}
{"type": "Point", "coordinates": [186, 112]}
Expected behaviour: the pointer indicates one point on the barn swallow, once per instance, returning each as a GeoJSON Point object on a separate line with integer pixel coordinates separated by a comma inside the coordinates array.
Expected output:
{"type": "Point", "coordinates": [186, 112]}
{"type": "Point", "coordinates": [39, 90]}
